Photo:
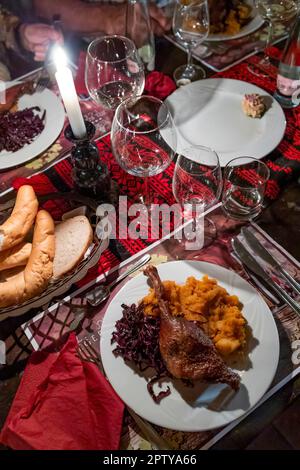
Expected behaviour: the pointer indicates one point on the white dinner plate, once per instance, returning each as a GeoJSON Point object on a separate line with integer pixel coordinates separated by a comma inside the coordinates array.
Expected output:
{"type": "Point", "coordinates": [54, 121]}
{"type": "Point", "coordinates": [209, 112]}
{"type": "Point", "coordinates": [255, 23]}
{"type": "Point", "coordinates": [190, 409]}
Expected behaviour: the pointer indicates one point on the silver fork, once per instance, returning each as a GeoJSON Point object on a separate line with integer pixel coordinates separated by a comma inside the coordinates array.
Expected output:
{"type": "Point", "coordinates": [87, 353]}
{"type": "Point", "coordinates": [43, 81]}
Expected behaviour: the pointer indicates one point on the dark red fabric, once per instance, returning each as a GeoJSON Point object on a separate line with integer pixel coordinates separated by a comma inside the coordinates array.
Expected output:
{"type": "Point", "coordinates": [159, 85]}
{"type": "Point", "coordinates": [63, 404]}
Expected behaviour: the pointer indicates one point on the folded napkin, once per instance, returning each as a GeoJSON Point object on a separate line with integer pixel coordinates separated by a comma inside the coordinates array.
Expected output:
{"type": "Point", "coordinates": [156, 84]}
{"type": "Point", "coordinates": [63, 404]}
{"type": "Point", "coordinates": [159, 85]}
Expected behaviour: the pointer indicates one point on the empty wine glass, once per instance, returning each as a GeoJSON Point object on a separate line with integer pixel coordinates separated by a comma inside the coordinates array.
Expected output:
{"type": "Point", "coordinates": [141, 128]}
{"type": "Point", "coordinates": [191, 28]}
{"type": "Point", "coordinates": [114, 71]}
{"type": "Point", "coordinates": [272, 11]}
{"type": "Point", "coordinates": [245, 180]}
{"type": "Point", "coordinates": [197, 186]}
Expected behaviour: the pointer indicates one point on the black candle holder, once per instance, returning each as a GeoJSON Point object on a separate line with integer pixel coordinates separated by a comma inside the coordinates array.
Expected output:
{"type": "Point", "coordinates": [90, 175]}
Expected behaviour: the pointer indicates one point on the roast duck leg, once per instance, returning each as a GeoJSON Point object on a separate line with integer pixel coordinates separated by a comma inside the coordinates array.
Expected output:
{"type": "Point", "coordinates": [187, 351]}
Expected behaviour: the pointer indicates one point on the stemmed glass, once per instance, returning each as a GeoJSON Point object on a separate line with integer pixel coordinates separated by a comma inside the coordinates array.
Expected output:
{"type": "Point", "coordinates": [245, 180]}
{"type": "Point", "coordinates": [143, 139]}
{"type": "Point", "coordinates": [272, 11]}
{"type": "Point", "coordinates": [114, 71]}
{"type": "Point", "coordinates": [197, 186]}
{"type": "Point", "coordinates": [191, 28]}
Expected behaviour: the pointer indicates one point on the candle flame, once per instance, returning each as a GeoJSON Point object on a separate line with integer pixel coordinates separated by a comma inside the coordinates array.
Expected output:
{"type": "Point", "coordinates": [59, 57]}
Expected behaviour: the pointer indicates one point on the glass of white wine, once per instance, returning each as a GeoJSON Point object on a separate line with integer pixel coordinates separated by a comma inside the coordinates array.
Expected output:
{"type": "Point", "coordinates": [273, 11]}
{"type": "Point", "coordinates": [114, 71]}
{"type": "Point", "coordinates": [191, 28]}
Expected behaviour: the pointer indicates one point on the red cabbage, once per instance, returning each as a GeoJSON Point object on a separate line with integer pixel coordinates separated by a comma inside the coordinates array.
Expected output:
{"type": "Point", "coordinates": [20, 128]}
{"type": "Point", "coordinates": [137, 338]}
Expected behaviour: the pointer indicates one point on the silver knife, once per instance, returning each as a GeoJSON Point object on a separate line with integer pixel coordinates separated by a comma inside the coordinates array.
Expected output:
{"type": "Point", "coordinates": [265, 255]}
{"type": "Point", "coordinates": [247, 259]}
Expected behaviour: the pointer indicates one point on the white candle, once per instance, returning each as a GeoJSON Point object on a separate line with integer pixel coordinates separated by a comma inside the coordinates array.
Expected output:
{"type": "Point", "coordinates": [68, 93]}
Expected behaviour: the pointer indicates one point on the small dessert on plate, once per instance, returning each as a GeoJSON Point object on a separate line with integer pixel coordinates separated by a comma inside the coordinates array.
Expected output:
{"type": "Point", "coordinates": [253, 105]}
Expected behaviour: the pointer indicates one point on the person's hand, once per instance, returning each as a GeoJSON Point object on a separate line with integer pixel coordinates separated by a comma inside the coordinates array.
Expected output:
{"type": "Point", "coordinates": [35, 38]}
{"type": "Point", "coordinates": [115, 17]}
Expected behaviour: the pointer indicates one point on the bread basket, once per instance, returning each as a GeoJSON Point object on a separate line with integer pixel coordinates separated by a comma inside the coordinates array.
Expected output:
{"type": "Point", "coordinates": [57, 288]}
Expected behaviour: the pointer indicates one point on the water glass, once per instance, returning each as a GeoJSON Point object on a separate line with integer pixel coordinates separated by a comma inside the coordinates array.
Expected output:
{"type": "Point", "coordinates": [272, 11]}
{"type": "Point", "coordinates": [197, 186]}
{"type": "Point", "coordinates": [244, 187]}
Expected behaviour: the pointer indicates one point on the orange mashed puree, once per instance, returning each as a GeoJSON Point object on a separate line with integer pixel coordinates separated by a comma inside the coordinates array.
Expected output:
{"type": "Point", "coordinates": [204, 301]}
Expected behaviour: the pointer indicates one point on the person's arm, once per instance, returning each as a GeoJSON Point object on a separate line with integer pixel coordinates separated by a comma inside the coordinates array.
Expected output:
{"type": "Point", "coordinates": [87, 18]}
{"type": "Point", "coordinates": [82, 17]}
{"type": "Point", "coordinates": [8, 25]}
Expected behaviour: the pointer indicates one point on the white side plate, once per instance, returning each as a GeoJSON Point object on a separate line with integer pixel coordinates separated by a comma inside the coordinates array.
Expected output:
{"type": "Point", "coordinates": [54, 121]}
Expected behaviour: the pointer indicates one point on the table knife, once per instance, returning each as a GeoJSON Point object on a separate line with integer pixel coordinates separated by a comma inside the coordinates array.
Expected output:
{"type": "Point", "coordinates": [265, 255]}
{"type": "Point", "coordinates": [247, 259]}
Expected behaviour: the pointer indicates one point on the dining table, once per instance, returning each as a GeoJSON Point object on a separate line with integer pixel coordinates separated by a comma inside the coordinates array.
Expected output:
{"type": "Point", "coordinates": [274, 424]}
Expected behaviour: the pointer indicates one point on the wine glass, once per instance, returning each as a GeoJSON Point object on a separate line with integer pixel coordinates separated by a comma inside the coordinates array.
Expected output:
{"type": "Point", "coordinates": [272, 11]}
{"type": "Point", "coordinates": [114, 71]}
{"type": "Point", "coordinates": [197, 186]}
{"type": "Point", "coordinates": [245, 180]}
{"type": "Point", "coordinates": [143, 139]}
{"type": "Point", "coordinates": [191, 28]}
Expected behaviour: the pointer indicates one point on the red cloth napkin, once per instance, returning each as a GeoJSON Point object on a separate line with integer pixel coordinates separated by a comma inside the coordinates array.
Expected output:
{"type": "Point", "coordinates": [159, 85]}
{"type": "Point", "coordinates": [63, 404]}
{"type": "Point", "coordinates": [156, 84]}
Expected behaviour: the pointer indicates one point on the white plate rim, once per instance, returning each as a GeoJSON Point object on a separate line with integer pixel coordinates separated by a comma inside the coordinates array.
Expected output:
{"type": "Point", "coordinates": [275, 116]}
{"type": "Point", "coordinates": [228, 416]}
{"type": "Point", "coordinates": [255, 23]}
{"type": "Point", "coordinates": [55, 112]}
{"type": "Point", "coordinates": [246, 30]}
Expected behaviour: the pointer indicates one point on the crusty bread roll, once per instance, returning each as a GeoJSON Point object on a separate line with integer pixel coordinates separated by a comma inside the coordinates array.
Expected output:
{"type": "Point", "coordinates": [16, 256]}
{"type": "Point", "coordinates": [31, 281]}
{"type": "Point", "coordinates": [16, 227]}
{"type": "Point", "coordinates": [72, 239]}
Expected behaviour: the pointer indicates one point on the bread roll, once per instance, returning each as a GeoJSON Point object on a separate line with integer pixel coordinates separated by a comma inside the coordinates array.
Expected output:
{"type": "Point", "coordinates": [31, 281]}
{"type": "Point", "coordinates": [72, 239]}
{"type": "Point", "coordinates": [16, 256]}
{"type": "Point", "coordinates": [16, 227]}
